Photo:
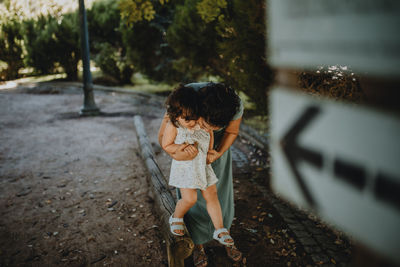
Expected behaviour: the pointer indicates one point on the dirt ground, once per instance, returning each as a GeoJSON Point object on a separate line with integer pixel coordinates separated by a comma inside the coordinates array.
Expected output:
{"type": "Point", "coordinates": [74, 190]}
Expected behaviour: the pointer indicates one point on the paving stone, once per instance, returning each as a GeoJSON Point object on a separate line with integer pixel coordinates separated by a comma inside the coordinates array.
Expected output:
{"type": "Point", "coordinates": [287, 213]}
{"type": "Point", "coordinates": [297, 227]}
{"type": "Point", "coordinates": [339, 256]}
{"type": "Point", "coordinates": [315, 231]}
{"type": "Point", "coordinates": [318, 257]}
{"type": "Point", "coordinates": [307, 241]}
{"type": "Point", "coordinates": [317, 249]}
{"type": "Point", "coordinates": [321, 238]}
{"type": "Point", "coordinates": [309, 224]}
{"type": "Point", "coordinates": [291, 221]}
{"type": "Point", "coordinates": [328, 245]}
{"type": "Point", "coordinates": [312, 249]}
{"type": "Point", "coordinates": [309, 249]}
{"type": "Point", "coordinates": [301, 233]}
{"type": "Point", "coordinates": [239, 158]}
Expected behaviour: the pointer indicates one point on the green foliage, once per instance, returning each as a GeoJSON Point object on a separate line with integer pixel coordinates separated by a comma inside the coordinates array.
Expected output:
{"type": "Point", "coordinates": [53, 41]}
{"type": "Point", "coordinates": [113, 64]}
{"type": "Point", "coordinates": [209, 10]}
{"type": "Point", "coordinates": [146, 46]}
{"type": "Point", "coordinates": [226, 39]}
{"type": "Point", "coordinates": [67, 44]}
{"type": "Point", "coordinates": [133, 11]}
{"type": "Point", "coordinates": [38, 44]}
{"type": "Point", "coordinates": [243, 50]}
{"type": "Point", "coordinates": [11, 47]}
{"type": "Point", "coordinates": [104, 22]}
{"type": "Point", "coordinates": [176, 42]}
{"type": "Point", "coordinates": [193, 41]}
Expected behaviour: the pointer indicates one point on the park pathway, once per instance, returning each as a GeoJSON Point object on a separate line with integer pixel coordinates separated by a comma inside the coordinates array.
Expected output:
{"type": "Point", "coordinates": [74, 190]}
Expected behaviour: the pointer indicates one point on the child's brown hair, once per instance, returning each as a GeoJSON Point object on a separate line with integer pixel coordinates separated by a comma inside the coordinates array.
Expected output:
{"type": "Point", "coordinates": [184, 102]}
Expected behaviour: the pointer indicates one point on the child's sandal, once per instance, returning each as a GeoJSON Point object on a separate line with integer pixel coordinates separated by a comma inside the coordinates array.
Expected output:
{"type": "Point", "coordinates": [222, 239]}
{"type": "Point", "coordinates": [174, 227]}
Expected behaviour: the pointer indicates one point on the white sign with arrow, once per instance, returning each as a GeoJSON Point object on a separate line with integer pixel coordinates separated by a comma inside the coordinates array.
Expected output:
{"type": "Point", "coordinates": [341, 161]}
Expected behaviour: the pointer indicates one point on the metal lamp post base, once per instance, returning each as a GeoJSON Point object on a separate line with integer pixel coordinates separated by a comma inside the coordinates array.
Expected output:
{"type": "Point", "coordinates": [89, 107]}
{"type": "Point", "coordinates": [89, 111]}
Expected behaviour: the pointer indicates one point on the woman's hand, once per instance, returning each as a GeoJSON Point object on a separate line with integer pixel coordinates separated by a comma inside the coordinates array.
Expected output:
{"type": "Point", "coordinates": [212, 156]}
{"type": "Point", "coordinates": [186, 152]}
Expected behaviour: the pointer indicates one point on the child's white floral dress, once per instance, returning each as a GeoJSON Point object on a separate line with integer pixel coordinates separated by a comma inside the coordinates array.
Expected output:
{"type": "Point", "coordinates": [194, 173]}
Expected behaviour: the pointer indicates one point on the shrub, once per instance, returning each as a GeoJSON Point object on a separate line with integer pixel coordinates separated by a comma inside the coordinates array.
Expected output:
{"type": "Point", "coordinates": [52, 41]}
{"type": "Point", "coordinates": [11, 47]}
{"type": "Point", "coordinates": [112, 63]}
{"type": "Point", "coordinates": [67, 48]}
{"type": "Point", "coordinates": [106, 42]}
{"type": "Point", "coordinates": [39, 44]}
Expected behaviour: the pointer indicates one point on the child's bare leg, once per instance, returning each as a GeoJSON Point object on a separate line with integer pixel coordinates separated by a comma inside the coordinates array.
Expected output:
{"type": "Point", "coordinates": [213, 206]}
{"type": "Point", "coordinates": [189, 198]}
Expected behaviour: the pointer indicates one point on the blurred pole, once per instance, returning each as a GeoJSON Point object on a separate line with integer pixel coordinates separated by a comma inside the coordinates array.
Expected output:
{"type": "Point", "coordinates": [89, 106]}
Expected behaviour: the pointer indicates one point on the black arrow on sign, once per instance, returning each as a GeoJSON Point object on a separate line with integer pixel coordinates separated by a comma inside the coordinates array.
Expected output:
{"type": "Point", "coordinates": [294, 152]}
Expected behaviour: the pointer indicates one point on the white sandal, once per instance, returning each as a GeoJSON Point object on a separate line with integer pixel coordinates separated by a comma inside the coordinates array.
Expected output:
{"type": "Point", "coordinates": [223, 238]}
{"type": "Point", "coordinates": [174, 227]}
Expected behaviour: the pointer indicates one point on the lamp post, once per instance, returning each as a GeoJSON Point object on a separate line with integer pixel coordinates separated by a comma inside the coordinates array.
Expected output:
{"type": "Point", "coordinates": [89, 106]}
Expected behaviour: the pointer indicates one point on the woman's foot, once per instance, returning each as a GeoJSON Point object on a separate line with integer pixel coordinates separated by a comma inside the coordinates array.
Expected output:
{"type": "Point", "coordinates": [199, 256]}
{"type": "Point", "coordinates": [233, 253]}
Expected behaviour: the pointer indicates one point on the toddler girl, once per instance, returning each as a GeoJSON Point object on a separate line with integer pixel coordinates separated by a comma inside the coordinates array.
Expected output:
{"type": "Point", "coordinates": [189, 176]}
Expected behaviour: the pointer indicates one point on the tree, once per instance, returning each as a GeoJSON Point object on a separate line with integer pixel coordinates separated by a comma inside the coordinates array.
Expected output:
{"type": "Point", "coordinates": [243, 47]}
{"type": "Point", "coordinates": [104, 21]}
{"type": "Point", "coordinates": [193, 41]}
{"type": "Point", "coordinates": [227, 39]}
{"type": "Point", "coordinates": [143, 33]}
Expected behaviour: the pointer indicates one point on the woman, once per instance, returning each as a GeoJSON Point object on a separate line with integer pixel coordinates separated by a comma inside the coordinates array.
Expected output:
{"type": "Point", "coordinates": [221, 111]}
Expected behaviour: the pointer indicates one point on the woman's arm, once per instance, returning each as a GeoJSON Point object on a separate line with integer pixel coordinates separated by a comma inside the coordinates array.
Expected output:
{"type": "Point", "coordinates": [184, 151]}
{"type": "Point", "coordinates": [211, 146]}
{"type": "Point", "coordinates": [231, 132]}
{"type": "Point", "coordinates": [211, 154]}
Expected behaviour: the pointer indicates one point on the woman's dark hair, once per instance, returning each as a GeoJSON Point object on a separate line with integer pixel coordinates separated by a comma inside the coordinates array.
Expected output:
{"type": "Point", "coordinates": [219, 104]}
{"type": "Point", "coordinates": [183, 101]}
